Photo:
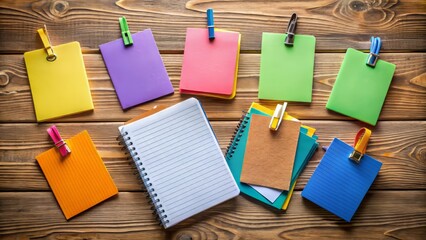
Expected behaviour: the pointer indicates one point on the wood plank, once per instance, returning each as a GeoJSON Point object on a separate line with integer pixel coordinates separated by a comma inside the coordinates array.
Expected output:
{"type": "Point", "coordinates": [336, 24]}
{"type": "Point", "coordinates": [37, 215]}
{"type": "Point", "coordinates": [407, 93]}
{"type": "Point", "coordinates": [395, 206]}
{"type": "Point", "coordinates": [399, 145]}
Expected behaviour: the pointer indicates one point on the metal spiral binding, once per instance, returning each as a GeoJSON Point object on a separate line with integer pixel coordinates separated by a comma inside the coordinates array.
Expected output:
{"type": "Point", "coordinates": [238, 133]}
{"type": "Point", "coordinates": [156, 206]}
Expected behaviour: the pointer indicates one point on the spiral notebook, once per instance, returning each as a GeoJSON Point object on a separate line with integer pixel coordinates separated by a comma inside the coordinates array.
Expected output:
{"type": "Point", "coordinates": [180, 162]}
{"type": "Point", "coordinates": [236, 151]}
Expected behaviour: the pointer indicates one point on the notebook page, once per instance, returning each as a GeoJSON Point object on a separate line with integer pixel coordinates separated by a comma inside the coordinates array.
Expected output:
{"type": "Point", "coordinates": [269, 193]}
{"type": "Point", "coordinates": [182, 159]}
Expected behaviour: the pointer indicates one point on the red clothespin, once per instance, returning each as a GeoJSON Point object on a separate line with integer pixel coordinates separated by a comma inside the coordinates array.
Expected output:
{"type": "Point", "coordinates": [59, 142]}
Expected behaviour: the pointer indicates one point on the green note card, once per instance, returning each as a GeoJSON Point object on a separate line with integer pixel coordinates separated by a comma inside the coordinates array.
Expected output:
{"type": "Point", "coordinates": [360, 90]}
{"type": "Point", "coordinates": [286, 73]}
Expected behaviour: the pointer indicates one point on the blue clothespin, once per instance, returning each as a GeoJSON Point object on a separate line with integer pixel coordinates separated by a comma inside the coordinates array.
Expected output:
{"type": "Point", "coordinates": [210, 23]}
{"type": "Point", "coordinates": [125, 32]}
{"type": "Point", "coordinates": [376, 44]}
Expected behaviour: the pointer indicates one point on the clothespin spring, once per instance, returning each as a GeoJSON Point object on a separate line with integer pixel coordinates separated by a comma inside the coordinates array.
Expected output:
{"type": "Point", "coordinates": [360, 144]}
{"type": "Point", "coordinates": [51, 56]}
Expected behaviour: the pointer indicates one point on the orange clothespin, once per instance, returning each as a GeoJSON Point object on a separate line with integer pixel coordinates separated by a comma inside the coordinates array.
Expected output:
{"type": "Point", "coordinates": [360, 145]}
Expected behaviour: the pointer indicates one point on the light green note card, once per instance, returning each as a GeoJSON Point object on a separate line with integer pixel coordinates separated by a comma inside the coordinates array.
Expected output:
{"type": "Point", "coordinates": [286, 72]}
{"type": "Point", "coordinates": [360, 90]}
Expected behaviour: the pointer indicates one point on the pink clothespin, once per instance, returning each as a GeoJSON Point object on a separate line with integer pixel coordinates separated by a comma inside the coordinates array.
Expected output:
{"type": "Point", "coordinates": [59, 142]}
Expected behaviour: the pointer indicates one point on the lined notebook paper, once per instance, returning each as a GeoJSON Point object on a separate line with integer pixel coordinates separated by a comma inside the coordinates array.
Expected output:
{"type": "Point", "coordinates": [80, 180]}
{"type": "Point", "coordinates": [180, 161]}
{"type": "Point", "coordinates": [339, 184]}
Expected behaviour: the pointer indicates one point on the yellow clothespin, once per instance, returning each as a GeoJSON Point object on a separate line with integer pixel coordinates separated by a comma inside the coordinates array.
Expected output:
{"type": "Point", "coordinates": [51, 56]}
{"type": "Point", "coordinates": [360, 145]}
{"type": "Point", "coordinates": [277, 117]}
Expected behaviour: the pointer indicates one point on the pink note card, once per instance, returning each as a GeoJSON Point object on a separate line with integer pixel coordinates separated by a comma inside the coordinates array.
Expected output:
{"type": "Point", "coordinates": [209, 66]}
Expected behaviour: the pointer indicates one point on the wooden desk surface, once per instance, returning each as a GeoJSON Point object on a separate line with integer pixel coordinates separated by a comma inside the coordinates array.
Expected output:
{"type": "Point", "coordinates": [394, 208]}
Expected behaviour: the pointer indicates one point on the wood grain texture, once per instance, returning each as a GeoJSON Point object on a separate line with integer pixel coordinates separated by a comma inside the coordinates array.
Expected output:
{"type": "Point", "coordinates": [401, 147]}
{"type": "Point", "coordinates": [336, 24]}
{"type": "Point", "coordinates": [36, 215]}
{"type": "Point", "coordinates": [395, 206]}
{"type": "Point", "coordinates": [406, 99]}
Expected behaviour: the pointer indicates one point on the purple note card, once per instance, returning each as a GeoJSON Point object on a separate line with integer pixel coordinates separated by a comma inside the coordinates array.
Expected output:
{"type": "Point", "coordinates": [137, 71]}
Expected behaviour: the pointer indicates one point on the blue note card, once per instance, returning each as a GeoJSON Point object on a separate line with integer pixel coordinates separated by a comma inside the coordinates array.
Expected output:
{"type": "Point", "coordinates": [339, 184]}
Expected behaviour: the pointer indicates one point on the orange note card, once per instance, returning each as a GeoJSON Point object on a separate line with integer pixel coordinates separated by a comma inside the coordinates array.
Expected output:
{"type": "Point", "coordinates": [210, 67]}
{"type": "Point", "coordinates": [269, 155]}
{"type": "Point", "coordinates": [80, 180]}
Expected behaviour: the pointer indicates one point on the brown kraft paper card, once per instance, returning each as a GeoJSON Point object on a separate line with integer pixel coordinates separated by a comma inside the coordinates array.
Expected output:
{"type": "Point", "coordinates": [269, 155]}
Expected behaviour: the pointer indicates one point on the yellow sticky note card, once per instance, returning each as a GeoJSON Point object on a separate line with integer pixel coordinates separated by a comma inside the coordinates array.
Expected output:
{"type": "Point", "coordinates": [289, 195]}
{"type": "Point", "coordinates": [80, 180]}
{"type": "Point", "coordinates": [58, 87]}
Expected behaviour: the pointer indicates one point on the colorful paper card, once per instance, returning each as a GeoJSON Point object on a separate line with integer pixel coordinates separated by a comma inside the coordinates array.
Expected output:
{"type": "Point", "coordinates": [80, 180]}
{"type": "Point", "coordinates": [60, 87]}
{"type": "Point", "coordinates": [338, 183]}
{"type": "Point", "coordinates": [235, 158]}
{"type": "Point", "coordinates": [360, 90]}
{"type": "Point", "coordinates": [137, 71]}
{"type": "Point", "coordinates": [210, 67]}
{"type": "Point", "coordinates": [269, 193]}
{"type": "Point", "coordinates": [272, 194]}
{"type": "Point", "coordinates": [286, 72]}
{"type": "Point", "coordinates": [269, 155]}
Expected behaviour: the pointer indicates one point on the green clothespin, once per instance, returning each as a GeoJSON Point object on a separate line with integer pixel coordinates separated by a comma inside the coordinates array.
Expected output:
{"type": "Point", "coordinates": [127, 36]}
